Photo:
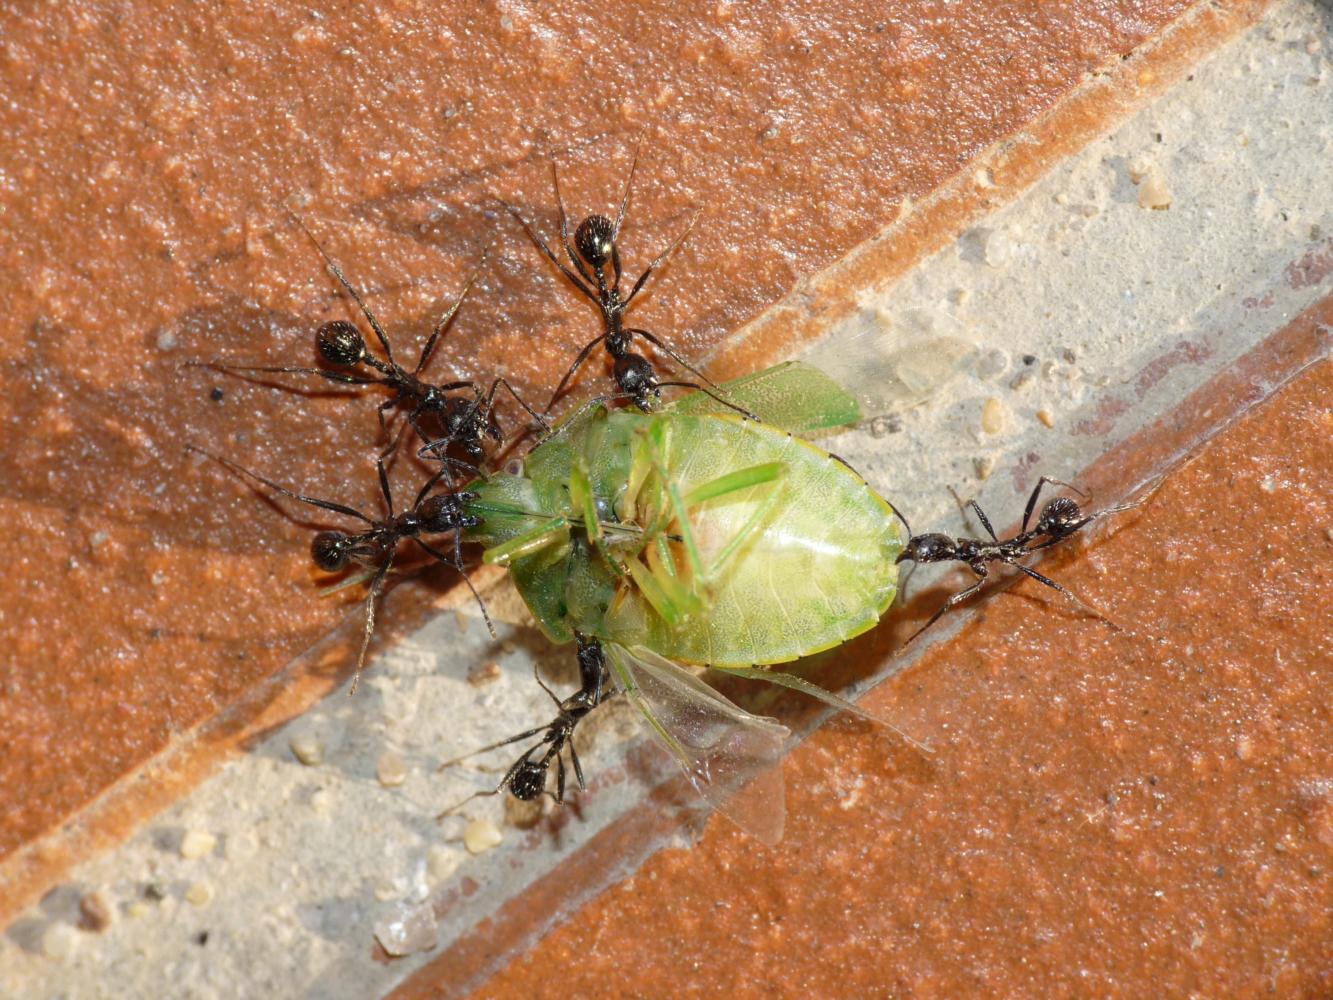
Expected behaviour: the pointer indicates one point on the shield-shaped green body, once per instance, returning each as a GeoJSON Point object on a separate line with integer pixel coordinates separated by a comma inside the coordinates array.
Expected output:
{"type": "Point", "coordinates": [695, 532]}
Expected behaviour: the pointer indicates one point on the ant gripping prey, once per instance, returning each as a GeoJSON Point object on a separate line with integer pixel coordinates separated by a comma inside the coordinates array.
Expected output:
{"type": "Point", "coordinates": [595, 247]}
{"type": "Point", "coordinates": [526, 778]}
{"type": "Point", "coordinates": [461, 409]}
{"type": "Point", "coordinates": [377, 546]}
{"type": "Point", "coordinates": [1060, 518]}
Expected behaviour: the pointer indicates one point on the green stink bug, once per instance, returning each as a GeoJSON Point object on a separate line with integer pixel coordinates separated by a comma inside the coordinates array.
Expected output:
{"type": "Point", "coordinates": [693, 535]}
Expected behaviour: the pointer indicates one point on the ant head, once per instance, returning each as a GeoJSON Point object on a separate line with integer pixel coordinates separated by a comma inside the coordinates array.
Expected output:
{"type": "Point", "coordinates": [340, 343]}
{"type": "Point", "coordinates": [528, 779]}
{"type": "Point", "coordinates": [330, 550]}
{"type": "Point", "coordinates": [444, 512]}
{"type": "Point", "coordinates": [637, 379]}
{"type": "Point", "coordinates": [1062, 516]}
{"type": "Point", "coordinates": [595, 239]}
{"type": "Point", "coordinates": [928, 548]}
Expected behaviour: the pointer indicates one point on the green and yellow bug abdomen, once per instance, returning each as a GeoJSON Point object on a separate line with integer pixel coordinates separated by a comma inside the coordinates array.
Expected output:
{"type": "Point", "coordinates": [791, 565]}
{"type": "Point", "coordinates": [695, 533]}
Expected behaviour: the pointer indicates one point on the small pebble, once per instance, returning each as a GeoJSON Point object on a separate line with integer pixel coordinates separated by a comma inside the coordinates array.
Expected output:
{"type": "Point", "coordinates": [408, 930]}
{"type": "Point", "coordinates": [197, 844]}
{"type": "Point", "coordinates": [1154, 194]}
{"type": "Point", "coordinates": [217, 394]}
{"type": "Point", "coordinates": [166, 340]}
{"type": "Point", "coordinates": [1046, 417]}
{"type": "Point", "coordinates": [321, 800]}
{"type": "Point", "coordinates": [481, 835]}
{"type": "Point", "coordinates": [1022, 380]}
{"type": "Point", "coordinates": [391, 769]}
{"type": "Point", "coordinates": [386, 892]}
{"type": "Point", "coordinates": [992, 416]}
{"type": "Point", "coordinates": [138, 909]}
{"type": "Point", "coordinates": [309, 750]}
{"type": "Point", "coordinates": [441, 861]}
{"type": "Point", "coordinates": [58, 941]}
{"type": "Point", "coordinates": [239, 846]}
{"type": "Point", "coordinates": [992, 364]}
{"type": "Point", "coordinates": [199, 894]}
{"type": "Point", "coordinates": [95, 912]}
{"type": "Point", "coordinates": [883, 426]}
{"type": "Point", "coordinates": [483, 673]}
{"type": "Point", "coordinates": [984, 466]}
{"type": "Point", "coordinates": [997, 248]}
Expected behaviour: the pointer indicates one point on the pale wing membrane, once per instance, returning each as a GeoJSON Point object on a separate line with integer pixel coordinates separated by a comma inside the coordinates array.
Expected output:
{"type": "Point", "coordinates": [732, 758]}
{"type": "Point", "coordinates": [894, 361]}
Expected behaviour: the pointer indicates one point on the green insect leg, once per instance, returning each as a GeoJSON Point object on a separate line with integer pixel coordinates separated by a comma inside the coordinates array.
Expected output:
{"type": "Point", "coordinates": [553, 532]}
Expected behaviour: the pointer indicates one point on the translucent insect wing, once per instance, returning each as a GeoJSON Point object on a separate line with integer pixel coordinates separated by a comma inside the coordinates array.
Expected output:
{"type": "Point", "coordinates": [894, 363]}
{"type": "Point", "coordinates": [732, 758]}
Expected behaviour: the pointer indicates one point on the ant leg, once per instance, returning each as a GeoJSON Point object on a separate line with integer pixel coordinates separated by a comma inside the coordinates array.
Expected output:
{"type": "Point", "coordinates": [629, 183]}
{"type": "Point", "coordinates": [457, 563]}
{"type": "Point", "coordinates": [560, 778]}
{"type": "Point", "coordinates": [1078, 601]}
{"type": "Point", "coordinates": [446, 319]}
{"type": "Point", "coordinates": [376, 586]}
{"type": "Point", "coordinates": [540, 244]}
{"type": "Point", "coordinates": [336, 271]}
{"type": "Point", "coordinates": [342, 377]}
{"type": "Point", "coordinates": [564, 229]}
{"type": "Point", "coordinates": [494, 746]}
{"type": "Point", "coordinates": [729, 405]}
{"type": "Point", "coordinates": [620, 215]}
{"type": "Point", "coordinates": [985, 521]}
{"type": "Point", "coordinates": [954, 601]}
{"type": "Point", "coordinates": [578, 767]}
{"type": "Point", "coordinates": [666, 349]}
{"type": "Point", "coordinates": [583, 356]}
{"type": "Point", "coordinates": [384, 486]}
{"type": "Point", "coordinates": [661, 257]}
{"type": "Point", "coordinates": [1036, 491]}
{"type": "Point", "coordinates": [337, 508]}
{"type": "Point", "coordinates": [518, 399]}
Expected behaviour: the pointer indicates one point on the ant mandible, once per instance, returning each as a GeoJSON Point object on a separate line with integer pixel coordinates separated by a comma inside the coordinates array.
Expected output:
{"type": "Point", "coordinates": [595, 247]}
{"type": "Point", "coordinates": [377, 546]}
{"type": "Point", "coordinates": [465, 413]}
{"type": "Point", "coordinates": [1060, 518]}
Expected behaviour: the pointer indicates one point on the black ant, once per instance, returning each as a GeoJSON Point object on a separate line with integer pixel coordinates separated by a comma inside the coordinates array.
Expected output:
{"type": "Point", "coordinates": [1059, 519]}
{"type": "Point", "coordinates": [595, 241]}
{"type": "Point", "coordinates": [526, 778]}
{"type": "Point", "coordinates": [378, 545]}
{"type": "Point", "coordinates": [463, 410]}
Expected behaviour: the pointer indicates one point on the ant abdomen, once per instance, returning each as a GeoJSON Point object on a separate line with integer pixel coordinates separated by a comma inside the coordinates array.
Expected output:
{"type": "Point", "coordinates": [528, 781]}
{"type": "Point", "coordinates": [595, 239]}
{"type": "Point", "coordinates": [330, 550]}
{"type": "Point", "coordinates": [341, 343]}
{"type": "Point", "coordinates": [1059, 517]}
